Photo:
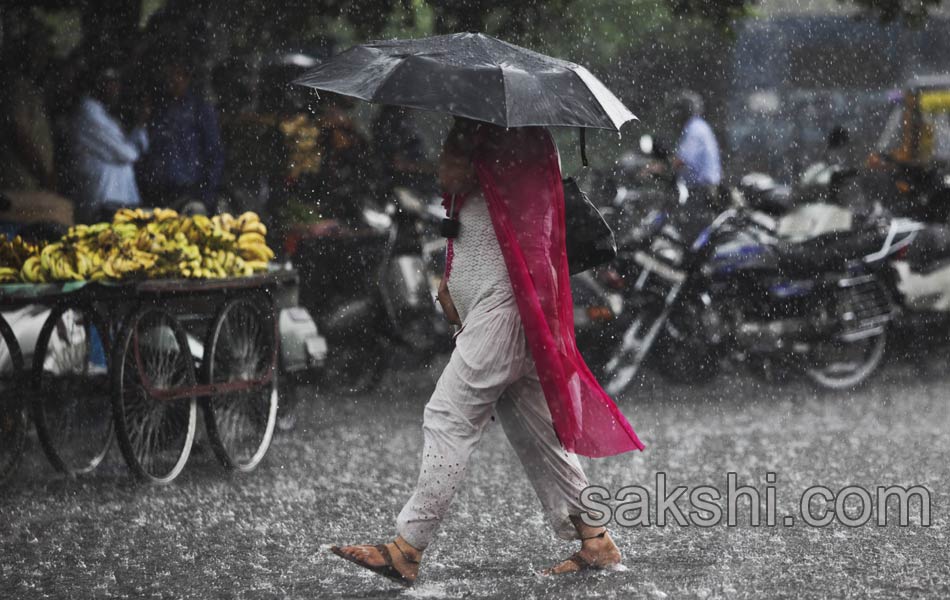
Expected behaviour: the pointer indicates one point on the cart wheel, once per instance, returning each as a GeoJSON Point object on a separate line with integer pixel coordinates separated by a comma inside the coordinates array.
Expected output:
{"type": "Point", "coordinates": [151, 357]}
{"type": "Point", "coordinates": [12, 418]}
{"type": "Point", "coordinates": [71, 406]}
{"type": "Point", "coordinates": [241, 348]}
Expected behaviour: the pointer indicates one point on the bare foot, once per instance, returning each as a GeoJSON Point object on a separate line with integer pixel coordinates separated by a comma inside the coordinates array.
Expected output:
{"type": "Point", "coordinates": [596, 553]}
{"type": "Point", "coordinates": [405, 559]}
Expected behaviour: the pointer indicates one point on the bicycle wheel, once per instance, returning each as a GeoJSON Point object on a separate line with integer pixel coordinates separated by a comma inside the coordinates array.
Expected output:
{"type": "Point", "coordinates": [240, 350]}
{"type": "Point", "coordinates": [152, 361]}
{"type": "Point", "coordinates": [71, 406]}
{"type": "Point", "coordinates": [12, 418]}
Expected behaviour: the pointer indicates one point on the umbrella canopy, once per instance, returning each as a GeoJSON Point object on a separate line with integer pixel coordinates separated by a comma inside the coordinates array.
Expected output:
{"type": "Point", "coordinates": [474, 76]}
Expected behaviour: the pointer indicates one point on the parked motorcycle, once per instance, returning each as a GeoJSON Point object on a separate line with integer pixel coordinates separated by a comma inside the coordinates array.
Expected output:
{"type": "Point", "coordinates": [369, 288]}
{"type": "Point", "coordinates": [821, 306]}
{"type": "Point", "coordinates": [638, 201]}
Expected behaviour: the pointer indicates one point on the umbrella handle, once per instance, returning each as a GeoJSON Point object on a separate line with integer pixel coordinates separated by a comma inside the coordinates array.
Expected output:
{"type": "Point", "coordinates": [583, 132]}
{"type": "Point", "coordinates": [450, 225]}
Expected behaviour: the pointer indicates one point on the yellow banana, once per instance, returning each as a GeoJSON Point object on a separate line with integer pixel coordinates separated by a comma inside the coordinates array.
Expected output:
{"type": "Point", "coordinates": [32, 270]}
{"type": "Point", "coordinates": [256, 265]}
{"type": "Point", "coordinates": [47, 254]}
{"type": "Point", "coordinates": [9, 274]}
{"type": "Point", "coordinates": [164, 214]}
{"type": "Point", "coordinates": [255, 227]}
{"type": "Point", "coordinates": [257, 252]}
{"type": "Point", "coordinates": [251, 239]}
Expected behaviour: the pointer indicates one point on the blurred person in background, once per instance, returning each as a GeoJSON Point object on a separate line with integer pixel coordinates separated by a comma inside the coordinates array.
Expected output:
{"type": "Point", "coordinates": [182, 168]}
{"type": "Point", "coordinates": [345, 176]}
{"type": "Point", "coordinates": [294, 135]}
{"type": "Point", "coordinates": [102, 152]}
{"type": "Point", "coordinates": [839, 150]}
{"type": "Point", "coordinates": [251, 149]}
{"type": "Point", "coordinates": [400, 150]}
{"type": "Point", "coordinates": [285, 107]}
{"type": "Point", "coordinates": [696, 162]}
{"type": "Point", "coordinates": [26, 135]}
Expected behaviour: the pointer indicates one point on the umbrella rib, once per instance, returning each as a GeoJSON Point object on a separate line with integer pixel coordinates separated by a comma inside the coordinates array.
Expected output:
{"type": "Point", "coordinates": [302, 80]}
{"type": "Point", "coordinates": [573, 69]}
{"type": "Point", "coordinates": [504, 80]}
{"type": "Point", "coordinates": [386, 79]}
{"type": "Point", "coordinates": [403, 62]}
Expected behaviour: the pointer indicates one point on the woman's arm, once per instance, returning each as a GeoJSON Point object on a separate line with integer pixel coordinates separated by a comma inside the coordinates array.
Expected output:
{"type": "Point", "coordinates": [448, 307]}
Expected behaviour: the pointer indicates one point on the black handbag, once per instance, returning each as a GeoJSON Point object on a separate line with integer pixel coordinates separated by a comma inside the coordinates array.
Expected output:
{"type": "Point", "coordinates": [590, 241]}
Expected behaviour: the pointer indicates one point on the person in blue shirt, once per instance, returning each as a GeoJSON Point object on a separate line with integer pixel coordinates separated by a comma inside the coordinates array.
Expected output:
{"type": "Point", "coordinates": [185, 158]}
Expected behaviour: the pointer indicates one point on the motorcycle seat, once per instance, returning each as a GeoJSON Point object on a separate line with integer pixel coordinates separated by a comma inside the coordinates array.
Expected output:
{"type": "Point", "coordinates": [826, 252]}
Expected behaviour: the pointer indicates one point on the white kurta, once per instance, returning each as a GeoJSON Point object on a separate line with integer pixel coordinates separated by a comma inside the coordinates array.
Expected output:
{"type": "Point", "coordinates": [490, 368]}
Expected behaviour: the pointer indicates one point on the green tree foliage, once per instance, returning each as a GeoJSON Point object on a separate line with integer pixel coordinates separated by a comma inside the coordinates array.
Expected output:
{"type": "Point", "coordinates": [910, 11]}
{"type": "Point", "coordinates": [717, 11]}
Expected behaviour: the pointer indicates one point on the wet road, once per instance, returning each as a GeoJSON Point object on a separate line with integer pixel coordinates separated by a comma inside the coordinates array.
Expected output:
{"type": "Point", "coordinates": [343, 475]}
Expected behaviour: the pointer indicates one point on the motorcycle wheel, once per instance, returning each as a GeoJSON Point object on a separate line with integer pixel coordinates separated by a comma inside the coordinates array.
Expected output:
{"type": "Point", "coordinates": [862, 358]}
{"type": "Point", "coordinates": [617, 370]}
{"type": "Point", "coordinates": [683, 356]}
{"type": "Point", "coordinates": [772, 371]}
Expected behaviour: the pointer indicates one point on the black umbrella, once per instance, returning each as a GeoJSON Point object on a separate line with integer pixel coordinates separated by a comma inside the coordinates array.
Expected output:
{"type": "Point", "coordinates": [475, 76]}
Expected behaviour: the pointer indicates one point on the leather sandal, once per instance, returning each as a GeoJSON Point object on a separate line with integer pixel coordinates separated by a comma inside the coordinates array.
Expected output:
{"type": "Point", "coordinates": [387, 570]}
{"type": "Point", "coordinates": [578, 559]}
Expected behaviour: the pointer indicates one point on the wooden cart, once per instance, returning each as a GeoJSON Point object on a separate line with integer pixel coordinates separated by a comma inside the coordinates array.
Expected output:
{"type": "Point", "coordinates": [133, 361]}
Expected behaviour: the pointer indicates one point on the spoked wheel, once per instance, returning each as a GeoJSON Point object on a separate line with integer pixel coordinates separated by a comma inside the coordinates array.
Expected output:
{"type": "Point", "coordinates": [155, 415]}
{"type": "Point", "coordinates": [772, 370]}
{"type": "Point", "coordinates": [71, 405]}
{"type": "Point", "coordinates": [240, 358]}
{"type": "Point", "coordinates": [620, 369]}
{"type": "Point", "coordinates": [839, 364]}
{"type": "Point", "coordinates": [683, 354]}
{"type": "Point", "coordinates": [638, 340]}
{"type": "Point", "coordinates": [12, 417]}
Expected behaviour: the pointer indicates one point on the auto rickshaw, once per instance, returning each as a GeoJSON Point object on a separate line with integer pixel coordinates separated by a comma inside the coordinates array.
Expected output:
{"type": "Point", "coordinates": [909, 170]}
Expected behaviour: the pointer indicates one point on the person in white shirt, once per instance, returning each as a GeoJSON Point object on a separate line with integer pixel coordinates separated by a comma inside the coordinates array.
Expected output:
{"type": "Point", "coordinates": [103, 154]}
{"type": "Point", "coordinates": [696, 162]}
{"type": "Point", "coordinates": [697, 153]}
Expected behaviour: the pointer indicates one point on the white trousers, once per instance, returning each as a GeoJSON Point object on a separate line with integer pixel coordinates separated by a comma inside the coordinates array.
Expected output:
{"type": "Point", "coordinates": [490, 372]}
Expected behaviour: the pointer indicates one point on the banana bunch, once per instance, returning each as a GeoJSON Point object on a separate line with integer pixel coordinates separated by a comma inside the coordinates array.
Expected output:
{"type": "Point", "coordinates": [32, 272]}
{"type": "Point", "coordinates": [251, 241]}
{"type": "Point", "coordinates": [143, 244]}
{"type": "Point", "coordinates": [60, 261]}
{"type": "Point", "coordinates": [207, 232]}
{"type": "Point", "coordinates": [126, 262]}
{"type": "Point", "coordinates": [13, 254]}
{"type": "Point", "coordinates": [9, 275]}
{"type": "Point", "coordinates": [135, 216]}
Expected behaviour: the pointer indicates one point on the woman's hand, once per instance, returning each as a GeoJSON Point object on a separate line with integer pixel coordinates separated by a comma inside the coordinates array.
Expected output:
{"type": "Point", "coordinates": [448, 307]}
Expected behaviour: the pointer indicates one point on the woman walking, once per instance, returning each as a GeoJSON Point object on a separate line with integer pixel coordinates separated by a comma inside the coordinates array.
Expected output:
{"type": "Point", "coordinates": [507, 285]}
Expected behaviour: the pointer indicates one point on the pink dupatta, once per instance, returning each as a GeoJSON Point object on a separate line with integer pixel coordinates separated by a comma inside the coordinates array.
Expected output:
{"type": "Point", "coordinates": [520, 177]}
